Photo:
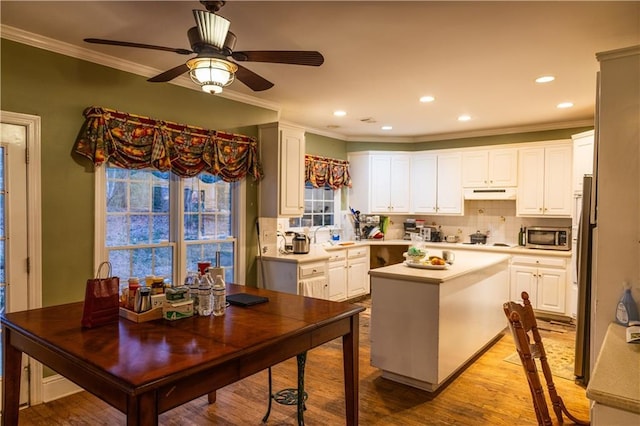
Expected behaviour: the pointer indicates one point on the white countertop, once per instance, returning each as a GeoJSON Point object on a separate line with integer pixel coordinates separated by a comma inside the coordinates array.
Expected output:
{"type": "Point", "coordinates": [512, 249]}
{"type": "Point", "coordinates": [615, 380]}
{"type": "Point", "coordinates": [322, 251]}
{"type": "Point", "coordinates": [466, 262]}
{"type": "Point", "coordinates": [316, 254]}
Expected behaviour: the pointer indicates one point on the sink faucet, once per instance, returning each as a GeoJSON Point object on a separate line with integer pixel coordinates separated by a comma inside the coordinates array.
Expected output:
{"type": "Point", "coordinates": [315, 240]}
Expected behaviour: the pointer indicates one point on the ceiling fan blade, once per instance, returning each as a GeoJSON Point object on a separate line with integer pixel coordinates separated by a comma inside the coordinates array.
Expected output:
{"type": "Point", "coordinates": [252, 80]}
{"type": "Point", "coordinates": [139, 45]}
{"type": "Point", "coordinates": [294, 57]}
{"type": "Point", "coordinates": [169, 74]}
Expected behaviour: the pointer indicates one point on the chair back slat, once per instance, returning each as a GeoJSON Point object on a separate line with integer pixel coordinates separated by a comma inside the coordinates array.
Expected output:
{"type": "Point", "coordinates": [528, 342]}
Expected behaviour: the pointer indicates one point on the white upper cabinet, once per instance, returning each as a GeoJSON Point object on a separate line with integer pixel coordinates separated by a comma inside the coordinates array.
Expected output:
{"type": "Point", "coordinates": [545, 181]}
{"type": "Point", "coordinates": [380, 182]}
{"type": "Point", "coordinates": [490, 168]}
{"type": "Point", "coordinates": [582, 158]}
{"type": "Point", "coordinates": [449, 183]}
{"type": "Point", "coordinates": [424, 182]}
{"type": "Point", "coordinates": [282, 150]}
{"type": "Point", "coordinates": [436, 185]}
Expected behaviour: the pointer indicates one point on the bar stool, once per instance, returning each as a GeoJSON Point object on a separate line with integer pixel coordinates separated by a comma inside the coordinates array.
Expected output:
{"type": "Point", "coordinates": [290, 396]}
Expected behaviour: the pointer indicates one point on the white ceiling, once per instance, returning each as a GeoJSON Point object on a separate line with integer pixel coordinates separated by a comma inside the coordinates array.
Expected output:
{"type": "Point", "coordinates": [477, 58]}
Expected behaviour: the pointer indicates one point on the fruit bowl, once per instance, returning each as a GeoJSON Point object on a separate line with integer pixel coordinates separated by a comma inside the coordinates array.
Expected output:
{"type": "Point", "coordinates": [415, 254]}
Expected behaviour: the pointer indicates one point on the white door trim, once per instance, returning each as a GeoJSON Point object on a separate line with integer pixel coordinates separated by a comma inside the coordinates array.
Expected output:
{"type": "Point", "coordinates": [34, 229]}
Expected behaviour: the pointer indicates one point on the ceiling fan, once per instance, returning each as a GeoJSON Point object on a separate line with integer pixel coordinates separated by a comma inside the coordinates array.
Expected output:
{"type": "Point", "coordinates": [216, 64]}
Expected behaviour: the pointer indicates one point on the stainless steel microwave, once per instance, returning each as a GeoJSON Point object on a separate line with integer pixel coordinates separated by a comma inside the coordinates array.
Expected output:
{"type": "Point", "coordinates": [549, 238]}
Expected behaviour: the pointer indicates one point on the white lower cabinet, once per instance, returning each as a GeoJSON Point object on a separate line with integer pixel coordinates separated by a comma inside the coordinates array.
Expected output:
{"type": "Point", "coordinates": [348, 273]}
{"type": "Point", "coordinates": [303, 278]}
{"type": "Point", "coordinates": [338, 275]}
{"type": "Point", "coordinates": [543, 278]}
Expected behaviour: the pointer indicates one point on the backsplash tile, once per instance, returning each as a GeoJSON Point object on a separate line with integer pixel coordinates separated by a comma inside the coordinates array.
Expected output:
{"type": "Point", "coordinates": [497, 218]}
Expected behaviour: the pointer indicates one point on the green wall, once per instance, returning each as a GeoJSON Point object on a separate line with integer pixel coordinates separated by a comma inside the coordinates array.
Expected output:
{"type": "Point", "coordinates": [67, 179]}
{"type": "Point", "coordinates": [325, 146]}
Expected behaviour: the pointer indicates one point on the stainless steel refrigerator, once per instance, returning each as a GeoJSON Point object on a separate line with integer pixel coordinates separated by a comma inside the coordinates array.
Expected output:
{"type": "Point", "coordinates": [583, 264]}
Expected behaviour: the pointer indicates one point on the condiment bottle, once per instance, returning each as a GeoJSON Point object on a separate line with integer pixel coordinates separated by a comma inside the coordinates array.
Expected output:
{"type": "Point", "coordinates": [157, 286]}
{"type": "Point", "coordinates": [134, 285]}
{"type": "Point", "coordinates": [219, 296]}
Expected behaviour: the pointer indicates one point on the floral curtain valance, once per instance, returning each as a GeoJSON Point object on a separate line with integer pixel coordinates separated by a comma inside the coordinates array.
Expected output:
{"type": "Point", "coordinates": [321, 171]}
{"type": "Point", "coordinates": [134, 142]}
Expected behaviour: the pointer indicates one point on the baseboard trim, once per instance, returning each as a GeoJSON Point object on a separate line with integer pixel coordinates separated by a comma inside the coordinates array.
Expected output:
{"type": "Point", "coordinates": [56, 386]}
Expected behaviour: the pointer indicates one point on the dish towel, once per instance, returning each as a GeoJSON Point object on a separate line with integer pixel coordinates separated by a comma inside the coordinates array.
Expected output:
{"type": "Point", "coordinates": [316, 287]}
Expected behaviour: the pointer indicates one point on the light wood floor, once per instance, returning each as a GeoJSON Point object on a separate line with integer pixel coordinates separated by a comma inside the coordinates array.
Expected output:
{"type": "Point", "coordinates": [489, 391]}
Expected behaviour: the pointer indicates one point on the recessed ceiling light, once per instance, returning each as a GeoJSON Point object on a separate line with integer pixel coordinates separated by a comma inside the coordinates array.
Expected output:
{"type": "Point", "coordinates": [339, 113]}
{"type": "Point", "coordinates": [565, 105]}
{"type": "Point", "coordinates": [464, 117]}
{"type": "Point", "coordinates": [545, 79]}
{"type": "Point", "coordinates": [426, 99]}
{"type": "Point", "coordinates": [386, 127]}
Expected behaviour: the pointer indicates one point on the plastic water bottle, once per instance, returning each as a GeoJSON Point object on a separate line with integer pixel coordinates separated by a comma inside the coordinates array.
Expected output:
{"type": "Point", "coordinates": [219, 296]}
{"type": "Point", "coordinates": [205, 302]}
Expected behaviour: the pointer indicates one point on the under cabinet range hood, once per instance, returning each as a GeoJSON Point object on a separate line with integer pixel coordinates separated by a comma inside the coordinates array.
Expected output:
{"type": "Point", "coordinates": [490, 194]}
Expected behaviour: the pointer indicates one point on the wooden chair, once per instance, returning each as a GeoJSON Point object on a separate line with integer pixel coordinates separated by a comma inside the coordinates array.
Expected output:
{"type": "Point", "coordinates": [522, 322]}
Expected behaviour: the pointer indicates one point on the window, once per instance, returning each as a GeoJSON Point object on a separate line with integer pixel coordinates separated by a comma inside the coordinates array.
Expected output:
{"type": "Point", "coordinates": [320, 207]}
{"type": "Point", "coordinates": [144, 233]}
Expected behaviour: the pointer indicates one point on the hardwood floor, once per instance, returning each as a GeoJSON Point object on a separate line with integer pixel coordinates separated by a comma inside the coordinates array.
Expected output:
{"type": "Point", "coordinates": [489, 391]}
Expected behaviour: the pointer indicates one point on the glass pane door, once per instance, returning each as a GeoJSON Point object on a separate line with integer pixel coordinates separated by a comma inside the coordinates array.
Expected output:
{"type": "Point", "coordinates": [14, 275]}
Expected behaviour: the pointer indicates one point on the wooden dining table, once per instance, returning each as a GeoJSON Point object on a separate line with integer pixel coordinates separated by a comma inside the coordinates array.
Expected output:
{"type": "Point", "coordinates": [145, 369]}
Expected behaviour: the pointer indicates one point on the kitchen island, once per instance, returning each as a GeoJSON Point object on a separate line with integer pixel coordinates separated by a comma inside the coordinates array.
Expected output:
{"type": "Point", "coordinates": [427, 324]}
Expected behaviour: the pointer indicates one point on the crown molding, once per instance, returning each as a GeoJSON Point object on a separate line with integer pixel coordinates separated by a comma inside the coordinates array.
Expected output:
{"type": "Point", "coordinates": [618, 53]}
{"type": "Point", "coordinates": [476, 133]}
{"type": "Point", "coordinates": [56, 46]}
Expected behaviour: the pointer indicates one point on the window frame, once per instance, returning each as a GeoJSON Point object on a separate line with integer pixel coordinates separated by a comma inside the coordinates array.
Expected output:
{"type": "Point", "coordinates": [238, 226]}
{"type": "Point", "coordinates": [337, 208]}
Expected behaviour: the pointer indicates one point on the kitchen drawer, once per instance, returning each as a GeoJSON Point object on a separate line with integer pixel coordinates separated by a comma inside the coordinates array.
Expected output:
{"type": "Point", "coordinates": [552, 262]}
{"type": "Point", "coordinates": [312, 270]}
{"type": "Point", "coordinates": [337, 255]}
{"type": "Point", "coordinates": [357, 252]}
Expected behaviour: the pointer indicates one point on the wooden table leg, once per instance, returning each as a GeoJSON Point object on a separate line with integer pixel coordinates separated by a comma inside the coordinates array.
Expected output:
{"type": "Point", "coordinates": [302, 359]}
{"type": "Point", "coordinates": [350, 345]}
{"type": "Point", "coordinates": [11, 372]}
{"type": "Point", "coordinates": [143, 410]}
{"type": "Point", "coordinates": [211, 397]}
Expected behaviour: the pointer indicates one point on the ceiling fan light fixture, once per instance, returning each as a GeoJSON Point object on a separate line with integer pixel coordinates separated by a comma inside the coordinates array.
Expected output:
{"type": "Point", "coordinates": [211, 74]}
{"type": "Point", "coordinates": [213, 28]}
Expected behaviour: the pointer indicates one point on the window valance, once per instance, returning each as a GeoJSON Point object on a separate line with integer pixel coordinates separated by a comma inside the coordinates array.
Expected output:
{"type": "Point", "coordinates": [134, 142]}
{"type": "Point", "coordinates": [321, 171]}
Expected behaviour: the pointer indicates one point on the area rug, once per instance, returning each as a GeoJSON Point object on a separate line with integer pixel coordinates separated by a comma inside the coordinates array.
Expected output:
{"type": "Point", "coordinates": [560, 357]}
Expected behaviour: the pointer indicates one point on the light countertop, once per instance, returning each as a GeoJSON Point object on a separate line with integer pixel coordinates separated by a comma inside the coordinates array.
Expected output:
{"type": "Point", "coordinates": [466, 262]}
{"type": "Point", "coordinates": [615, 380]}
{"type": "Point", "coordinates": [316, 254]}
{"type": "Point", "coordinates": [322, 251]}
